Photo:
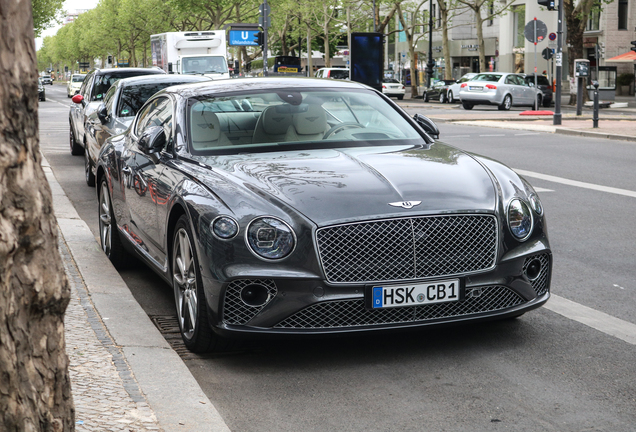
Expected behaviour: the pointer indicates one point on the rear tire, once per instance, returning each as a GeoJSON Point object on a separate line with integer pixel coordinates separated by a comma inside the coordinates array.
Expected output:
{"type": "Point", "coordinates": [506, 104]}
{"type": "Point", "coordinates": [400, 97]}
{"type": "Point", "coordinates": [450, 96]}
{"type": "Point", "coordinates": [442, 98]}
{"type": "Point", "coordinates": [467, 106]}
{"type": "Point", "coordinates": [425, 97]}
{"type": "Point", "coordinates": [547, 103]}
{"type": "Point", "coordinates": [76, 149]}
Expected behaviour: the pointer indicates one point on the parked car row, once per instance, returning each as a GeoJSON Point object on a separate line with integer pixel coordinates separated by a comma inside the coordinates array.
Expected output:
{"type": "Point", "coordinates": [299, 206]}
{"type": "Point", "coordinates": [504, 90]}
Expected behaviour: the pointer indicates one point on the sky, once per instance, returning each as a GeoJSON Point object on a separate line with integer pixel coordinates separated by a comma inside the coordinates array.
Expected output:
{"type": "Point", "coordinates": [69, 6]}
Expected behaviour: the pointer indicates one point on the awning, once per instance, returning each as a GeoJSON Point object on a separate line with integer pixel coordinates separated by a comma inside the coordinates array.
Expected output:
{"type": "Point", "coordinates": [628, 57]}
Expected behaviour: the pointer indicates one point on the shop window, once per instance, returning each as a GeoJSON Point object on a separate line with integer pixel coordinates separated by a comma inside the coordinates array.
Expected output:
{"type": "Point", "coordinates": [622, 14]}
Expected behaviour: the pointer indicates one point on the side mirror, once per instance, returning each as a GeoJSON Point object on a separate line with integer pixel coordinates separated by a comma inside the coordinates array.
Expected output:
{"type": "Point", "coordinates": [102, 113]}
{"type": "Point", "coordinates": [78, 99]}
{"type": "Point", "coordinates": [428, 125]}
{"type": "Point", "coordinates": [152, 140]}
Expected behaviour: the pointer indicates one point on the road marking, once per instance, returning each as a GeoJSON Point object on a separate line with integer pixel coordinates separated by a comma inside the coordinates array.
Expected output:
{"type": "Point", "coordinates": [531, 133]}
{"type": "Point", "coordinates": [576, 183]}
{"type": "Point", "coordinates": [598, 320]}
{"type": "Point", "coordinates": [457, 136]}
{"type": "Point", "coordinates": [492, 135]}
{"type": "Point", "coordinates": [543, 190]}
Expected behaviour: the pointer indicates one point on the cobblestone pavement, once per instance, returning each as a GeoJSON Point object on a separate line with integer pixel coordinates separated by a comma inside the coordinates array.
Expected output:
{"type": "Point", "coordinates": [105, 393]}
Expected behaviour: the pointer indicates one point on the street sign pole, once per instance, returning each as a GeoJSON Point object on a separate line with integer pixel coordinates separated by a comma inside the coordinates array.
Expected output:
{"type": "Point", "coordinates": [536, 99]}
{"type": "Point", "coordinates": [265, 26]}
{"type": "Point", "coordinates": [556, 120]}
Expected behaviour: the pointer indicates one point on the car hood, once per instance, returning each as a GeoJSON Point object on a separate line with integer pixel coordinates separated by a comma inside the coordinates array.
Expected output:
{"type": "Point", "coordinates": [347, 184]}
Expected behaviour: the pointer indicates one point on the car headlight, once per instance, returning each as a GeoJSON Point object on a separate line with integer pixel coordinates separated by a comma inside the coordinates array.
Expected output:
{"type": "Point", "coordinates": [224, 227]}
{"type": "Point", "coordinates": [270, 238]}
{"type": "Point", "coordinates": [520, 219]}
{"type": "Point", "coordinates": [535, 203]}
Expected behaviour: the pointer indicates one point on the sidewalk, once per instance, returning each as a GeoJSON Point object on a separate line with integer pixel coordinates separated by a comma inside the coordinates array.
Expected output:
{"type": "Point", "coordinates": [124, 375]}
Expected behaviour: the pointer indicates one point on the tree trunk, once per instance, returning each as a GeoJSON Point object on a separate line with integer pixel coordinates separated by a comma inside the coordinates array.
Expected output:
{"type": "Point", "coordinates": [443, 13]}
{"type": "Point", "coordinates": [480, 39]}
{"type": "Point", "coordinates": [35, 391]}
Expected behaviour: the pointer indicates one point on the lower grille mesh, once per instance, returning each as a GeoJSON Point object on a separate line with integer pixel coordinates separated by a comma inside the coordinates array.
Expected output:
{"type": "Point", "coordinates": [235, 311]}
{"type": "Point", "coordinates": [352, 313]}
{"type": "Point", "coordinates": [541, 283]}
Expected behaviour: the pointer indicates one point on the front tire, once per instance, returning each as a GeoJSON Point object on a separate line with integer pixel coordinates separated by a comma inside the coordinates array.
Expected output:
{"type": "Point", "coordinates": [425, 97]}
{"type": "Point", "coordinates": [188, 292]}
{"type": "Point", "coordinates": [108, 234]}
{"type": "Point", "coordinates": [76, 149]}
{"type": "Point", "coordinates": [450, 96]}
{"type": "Point", "coordinates": [506, 104]}
{"type": "Point", "coordinates": [88, 169]}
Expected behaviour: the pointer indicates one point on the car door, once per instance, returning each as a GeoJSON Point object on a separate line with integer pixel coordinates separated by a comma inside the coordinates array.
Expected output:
{"type": "Point", "coordinates": [514, 89]}
{"type": "Point", "coordinates": [528, 91]}
{"type": "Point", "coordinates": [141, 173]}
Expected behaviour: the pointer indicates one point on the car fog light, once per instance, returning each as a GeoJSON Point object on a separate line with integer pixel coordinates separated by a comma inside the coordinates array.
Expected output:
{"type": "Point", "coordinates": [519, 219]}
{"type": "Point", "coordinates": [224, 227]}
{"type": "Point", "coordinates": [270, 238]}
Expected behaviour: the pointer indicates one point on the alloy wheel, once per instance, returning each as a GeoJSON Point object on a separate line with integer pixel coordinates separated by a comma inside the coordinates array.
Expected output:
{"type": "Point", "coordinates": [185, 283]}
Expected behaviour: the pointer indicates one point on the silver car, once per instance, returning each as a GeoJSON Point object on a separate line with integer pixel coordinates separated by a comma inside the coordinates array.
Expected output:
{"type": "Point", "coordinates": [453, 89]}
{"type": "Point", "coordinates": [502, 89]}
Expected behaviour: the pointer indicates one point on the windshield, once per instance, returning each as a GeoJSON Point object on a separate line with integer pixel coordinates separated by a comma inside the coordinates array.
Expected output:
{"type": "Point", "coordinates": [103, 82]}
{"type": "Point", "coordinates": [291, 118]}
{"type": "Point", "coordinates": [204, 64]}
{"type": "Point", "coordinates": [486, 77]}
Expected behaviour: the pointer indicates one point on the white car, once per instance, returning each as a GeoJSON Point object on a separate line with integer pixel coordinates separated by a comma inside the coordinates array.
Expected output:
{"type": "Point", "coordinates": [504, 90]}
{"type": "Point", "coordinates": [453, 91]}
{"type": "Point", "coordinates": [73, 85]}
{"type": "Point", "coordinates": [392, 87]}
{"type": "Point", "coordinates": [333, 73]}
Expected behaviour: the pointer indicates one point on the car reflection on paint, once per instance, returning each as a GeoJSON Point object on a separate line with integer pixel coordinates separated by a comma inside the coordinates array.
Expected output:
{"type": "Point", "coordinates": [300, 206]}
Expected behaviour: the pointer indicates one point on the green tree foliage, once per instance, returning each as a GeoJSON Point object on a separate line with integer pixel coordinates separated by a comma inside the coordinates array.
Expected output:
{"type": "Point", "coordinates": [45, 13]}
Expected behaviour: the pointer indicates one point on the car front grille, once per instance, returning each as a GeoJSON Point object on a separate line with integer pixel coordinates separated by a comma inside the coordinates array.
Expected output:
{"type": "Point", "coordinates": [541, 283]}
{"type": "Point", "coordinates": [353, 313]}
{"type": "Point", "coordinates": [408, 248]}
{"type": "Point", "coordinates": [235, 311]}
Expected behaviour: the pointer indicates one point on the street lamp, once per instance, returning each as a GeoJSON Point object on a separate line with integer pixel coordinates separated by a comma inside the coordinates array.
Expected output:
{"type": "Point", "coordinates": [431, 63]}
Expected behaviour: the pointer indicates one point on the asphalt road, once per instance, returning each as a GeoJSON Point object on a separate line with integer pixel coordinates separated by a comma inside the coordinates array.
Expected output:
{"type": "Point", "coordinates": [545, 371]}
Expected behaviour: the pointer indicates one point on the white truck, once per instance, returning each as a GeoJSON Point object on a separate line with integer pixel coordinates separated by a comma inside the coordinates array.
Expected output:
{"type": "Point", "coordinates": [193, 52]}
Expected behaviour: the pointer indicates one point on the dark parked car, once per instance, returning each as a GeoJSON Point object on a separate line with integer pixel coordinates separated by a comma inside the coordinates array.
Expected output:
{"type": "Point", "coordinates": [90, 96]}
{"type": "Point", "coordinates": [41, 92]}
{"type": "Point", "coordinates": [118, 109]}
{"type": "Point", "coordinates": [438, 91]}
{"type": "Point", "coordinates": [543, 83]}
{"type": "Point", "coordinates": [296, 206]}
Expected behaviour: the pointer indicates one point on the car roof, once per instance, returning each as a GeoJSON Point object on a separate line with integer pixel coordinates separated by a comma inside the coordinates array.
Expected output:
{"type": "Point", "coordinates": [122, 71]}
{"type": "Point", "coordinates": [249, 84]}
{"type": "Point", "coordinates": [161, 78]}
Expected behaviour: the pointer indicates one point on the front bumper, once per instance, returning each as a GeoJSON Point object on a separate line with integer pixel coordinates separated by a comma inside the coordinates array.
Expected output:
{"type": "Point", "coordinates": [313, 306]}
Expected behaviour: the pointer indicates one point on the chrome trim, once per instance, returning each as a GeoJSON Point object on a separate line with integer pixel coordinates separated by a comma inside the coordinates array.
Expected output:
{"type": "Point", "coordinates": [461, 274]}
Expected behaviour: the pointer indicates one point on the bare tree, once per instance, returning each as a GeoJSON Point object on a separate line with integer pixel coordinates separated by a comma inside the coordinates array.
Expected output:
{"type": "Point", "coordinates": [35, 392]}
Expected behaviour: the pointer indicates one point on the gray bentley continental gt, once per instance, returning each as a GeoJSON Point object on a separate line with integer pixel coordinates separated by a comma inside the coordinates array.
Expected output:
{"type": "Point", "coordinates": [304, 206]}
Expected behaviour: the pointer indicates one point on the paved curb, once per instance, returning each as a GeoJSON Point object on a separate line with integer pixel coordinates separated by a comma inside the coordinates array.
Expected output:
{"type": "Point", "coordinates": [172, 392]}
{"type": "Point", "coordinates": [589, 134]}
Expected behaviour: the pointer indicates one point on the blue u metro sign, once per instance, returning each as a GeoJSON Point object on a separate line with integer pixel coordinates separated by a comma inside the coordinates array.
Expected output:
{"type": "Point", "coordinates": [243, 37]}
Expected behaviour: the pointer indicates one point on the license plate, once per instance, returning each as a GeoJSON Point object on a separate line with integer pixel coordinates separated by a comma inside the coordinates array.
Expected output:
{"type": "Point", "coordinates": [380, 297]}
{"type": "Point", "coordinates": [476, 88]}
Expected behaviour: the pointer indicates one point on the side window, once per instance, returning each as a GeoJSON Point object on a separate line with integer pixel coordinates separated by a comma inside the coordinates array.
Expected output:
{"type": "Point", "coordinates": [510, 79]}
{"type": "Point", "coordinates": [108, 99]}
{"type": "Point", "coordinates": [157, 113]}
{"type": "Point", "coordinates": [86, 85]}
{"type": "Point", "coordinates": [521, 81]}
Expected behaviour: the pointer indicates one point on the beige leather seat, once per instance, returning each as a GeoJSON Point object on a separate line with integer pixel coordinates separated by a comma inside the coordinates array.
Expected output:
{"type": "Point", "coordinates": [273, 124]}
{"type": "Point", "coordinates": [206, 131]}
{"type": "Point", "coordinates": [308, 124]}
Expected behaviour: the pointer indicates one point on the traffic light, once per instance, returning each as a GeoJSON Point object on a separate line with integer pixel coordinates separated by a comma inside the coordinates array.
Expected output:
{"type": "Point", "coordinates": [633, 45]}
{"type": "Point", "coordinates": [547, 3]}
{"type": "Point", "coordinates": [259, 38]}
